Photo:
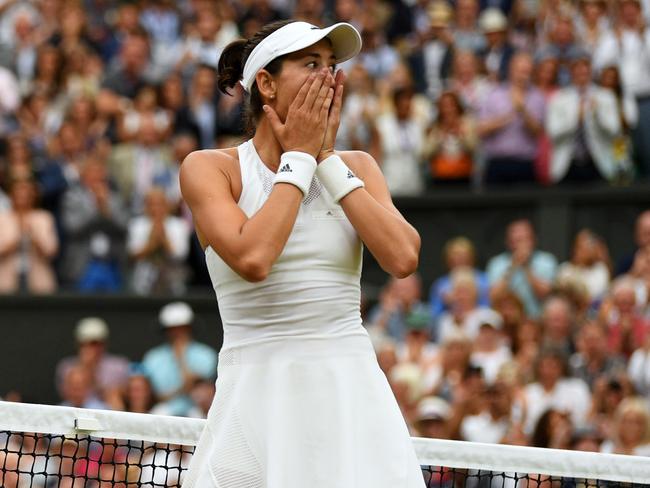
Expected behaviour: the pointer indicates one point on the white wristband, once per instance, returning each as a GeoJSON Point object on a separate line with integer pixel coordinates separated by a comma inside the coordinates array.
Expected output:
{"type": "Point", "coordinates": [296, 168]}
{"type": "Point", "coordinates": [337, 178]}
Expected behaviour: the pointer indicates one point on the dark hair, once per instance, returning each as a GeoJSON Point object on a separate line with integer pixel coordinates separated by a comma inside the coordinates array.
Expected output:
{"type": "Point", "coordinates": [231, 68]}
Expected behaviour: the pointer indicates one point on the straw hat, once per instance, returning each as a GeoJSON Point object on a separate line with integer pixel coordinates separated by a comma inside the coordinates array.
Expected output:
{"type": "Point", "coordinates": [439, 13]}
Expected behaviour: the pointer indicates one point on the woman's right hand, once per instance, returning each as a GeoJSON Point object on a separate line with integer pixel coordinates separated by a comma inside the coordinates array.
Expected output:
{"type": "Point", "coordinates": [306, 122]}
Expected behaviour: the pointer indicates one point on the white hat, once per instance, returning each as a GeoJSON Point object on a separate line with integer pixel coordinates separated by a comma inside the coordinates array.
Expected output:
{"type": "Point", "coordinates": [346, 42]}
{"type": "Point", "coordinates": [433, 408]}
{"type": "Point", "coordinates": [492, 20]}
{"type": "Point", "coordinates": [491, 318]}
{"type": "Point", "coordinates": [91, 329]}
{"type": "Point", "coordinates": [176, 314]}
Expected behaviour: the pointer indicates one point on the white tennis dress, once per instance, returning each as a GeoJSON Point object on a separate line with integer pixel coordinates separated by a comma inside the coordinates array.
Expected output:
{"type": "Point", "coordinates": [301, 401]}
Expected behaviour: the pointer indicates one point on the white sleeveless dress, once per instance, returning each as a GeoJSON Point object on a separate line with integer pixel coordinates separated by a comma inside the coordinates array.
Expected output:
{"type": "Point", "coordinates": [300, 401]}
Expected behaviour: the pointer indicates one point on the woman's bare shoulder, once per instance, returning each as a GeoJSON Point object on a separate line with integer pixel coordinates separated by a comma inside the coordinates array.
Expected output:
{"type": "Point", "coordinates": [201, 168]}
{"type": "Point", "coordinates": [360, 162]}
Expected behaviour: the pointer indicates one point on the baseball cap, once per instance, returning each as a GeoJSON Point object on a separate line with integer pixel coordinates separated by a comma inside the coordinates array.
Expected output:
{"type": "Point", "coordinates": [433, 408]}
{"type": "Point", "coordinates": [346, 43]}
{"type": "Point", "coordinates": [175, 314]}
{"type": "Point", "coordinates": [91, 329]}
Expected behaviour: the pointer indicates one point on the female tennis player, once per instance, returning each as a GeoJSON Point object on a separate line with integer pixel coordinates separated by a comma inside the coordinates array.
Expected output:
{"type": "Point", "coordinates": [301, 401]}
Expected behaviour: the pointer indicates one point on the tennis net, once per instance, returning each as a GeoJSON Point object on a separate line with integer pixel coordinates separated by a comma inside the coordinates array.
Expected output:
{"type": "Point", "coordinates": [46, 446]}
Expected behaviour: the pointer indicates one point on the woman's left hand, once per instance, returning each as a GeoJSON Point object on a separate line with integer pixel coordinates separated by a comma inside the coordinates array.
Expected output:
{"type": "Point", "coordinates": [334, 118]}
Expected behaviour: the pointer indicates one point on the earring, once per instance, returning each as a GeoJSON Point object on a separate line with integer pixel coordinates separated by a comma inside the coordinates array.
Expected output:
{"type": "Point", "coordinates": [272, 96]}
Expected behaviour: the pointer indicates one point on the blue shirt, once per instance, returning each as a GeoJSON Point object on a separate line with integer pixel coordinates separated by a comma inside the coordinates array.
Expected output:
{"type": "Point", "coordinates": [442, 286]}
{"type": "Point", "coordinates": [543, 266]}
{"type": "Point", "coordinates": [163, 371]}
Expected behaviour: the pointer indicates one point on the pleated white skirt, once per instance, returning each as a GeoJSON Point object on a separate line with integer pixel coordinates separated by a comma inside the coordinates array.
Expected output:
{"type": "Point", "coordinates": [304, 413]}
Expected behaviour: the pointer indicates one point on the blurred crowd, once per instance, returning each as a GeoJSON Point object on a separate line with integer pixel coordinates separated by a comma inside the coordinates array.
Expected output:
{"type": "Point", "coordinates": [527, 351]}
{"type": "Point", "coordinates": [101, 101]}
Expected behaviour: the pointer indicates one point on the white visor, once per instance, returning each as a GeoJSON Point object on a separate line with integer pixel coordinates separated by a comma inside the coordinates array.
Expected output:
{"type": "Point", "coordinates": [346, 43]}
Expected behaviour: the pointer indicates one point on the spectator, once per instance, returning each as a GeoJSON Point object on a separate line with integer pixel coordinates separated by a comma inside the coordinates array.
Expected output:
{"type": "Point", "coordinates": [510, 122]}
{"type": "Point", "coordinates": [490, 352]}
{"type": "Point", "coordinates": [431, 418]}
{"type": "Point", "coordinates": [28, 243]}
{"type": "Point", "coordinates": [451, 143]}
{"type": "Point", "coordinates": [508, 305]}
{"type": "Point", "coordinates": [553, 430]}
{"type": "Point", "coordinates": [107, 372]}
{"type": "Point", "coordinates": [465, 315]}
{"type": "Point", "coordinates": [202, 105]}
{"type": "Point", "coordinates": [639, 369]}
{"type": "Point", "coordinates": [431, 61]}
{"type": "Point", "coordinates": [632, 429]}
{"type": "Point", "coordinates": [498, 51]}
{"type": "Point", "coordinates": [583, 122]}
{"type": "Point", "coordinates": [468, 82]}
{"type": "Point", "coordinates": [626, 327]}
{"type": "Point", "coordinates": [558, 324]}
{"type": "Point", "coordinates": [76, 390]}
{"type": "Point", "coordinates": [158, 243]}
{"type": "Point", "coordinates": [398, 299]}
{"type": "Point", "coordinates": [592, 359]}
{"type": "Point", "coordinates": [453, 362]}
{"type": "Point", "coordinates": [491, 424]}
{"type": "Point", "coordinates": [377, 56]}
{"type": "Point", "coordinates": [416, 348]}
{"type": "Point", "coordinates": [399, 146]}
{"type": "Point", "coordinates": [642, 241]}
{"type": "Point", "coordinates": [143, 164]}
{"type": "Point", "coordinates": [360, 106]}
{"type": "Point", "coordinates": [405, 380]}
{"type": "Point", "coordinates": [466, 35]}
{"type": "Point", "coordinates": [522, 269]}
{"type": "Point", "coordinates": [138, 394]}
{"type": "Point", "coordinates": [174, 367]}
{"type": "Point", "coordinates": [94, 219]}
{"type": "Point", "coordinates": [592, 24]}
{"type": "Point", "coordinates": [562, 43]}
{"type": "Point", "coordinates": [458, 252]}
{"type": "Point", "coordinates": [202, 395]}
{"type": "Point", "coordinates": [589, 266]}
{"type": "Point", "coordinates": [627, 47]}
{"type": "Point", "coordinates": [610, 79]}
{"type": "Point", "coordinates": [554, 390]}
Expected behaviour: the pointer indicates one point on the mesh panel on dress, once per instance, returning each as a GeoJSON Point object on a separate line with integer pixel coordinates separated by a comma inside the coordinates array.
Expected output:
{"type": "Point", "coordinates": [266, 176]}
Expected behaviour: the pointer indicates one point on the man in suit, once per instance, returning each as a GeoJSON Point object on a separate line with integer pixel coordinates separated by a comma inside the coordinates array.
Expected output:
{"type": "Point", "coordinates": [582, 122]}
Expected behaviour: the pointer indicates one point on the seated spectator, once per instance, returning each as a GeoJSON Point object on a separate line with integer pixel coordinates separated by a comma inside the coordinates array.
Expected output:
{"type": "Point", "coordinates": [510, 123]}
{"type": "Point", "coordinates": [465, 315]}
{"type": "Point", "coordinates": [498, 52]}
{"type": "Point", "coordinates": [458, 252]}
{"type": "Point", "coordinates": [451, 366]}
{"type": "Point", "coordinates": [511, 309]}
{"type": "Point", "coordinates": [107, 372]}
{"type": "Point", "coordinates": [138, 395]}
{"type": "Point", "coordinates": [491, 424]}
{"type": "Point", "coordinates": [174, 367]}
{"type": "Point", "coordinates": [158, 244]}
{"type": "Point", "coordinates": [589, 265]}
{"type": "Point", "coordinates": [554, 390]}
{"type": "Point", "coordinates": [432, 414]}
{"type": "Point", "coordinates": [490, 352]}
{"type": "Point", "coordinates": [406, 383]}
{"type": "Point", "coordinates": [450, 143]}
{"type": "Point", "coordinates": [642, 241]}
{"type": "Point", "coordinates": [558, 324]}
{"type": "Point", "coordinates": [398, 146]}
{"type": "Point", "coordinates": [417, 348]}
{"type": "Point", "coordinates": [28, 243]}
{"type": "Point", "coordinates": [398, 299]}
{"type": "Point", "coordinates": [582, 122]}
{"type": "Point", "coordinates": [631, 429]}
{"type": "Point", "coordinates": [638, 370]}
{"type": "Point", "coordinates": [554, 430]}
{"type": "Point", "coordinates": [627, 329]}
{"type": "Point", "coordinates": [202, 395]}
{"type": "Point", "coordinates": [592, 359]}
{"type": "Point", "coordinates": [94, 220]}
{"type": "Point", "coordinates": [522, 269]}
{"type": "Point", "coordinates": [76, 390]}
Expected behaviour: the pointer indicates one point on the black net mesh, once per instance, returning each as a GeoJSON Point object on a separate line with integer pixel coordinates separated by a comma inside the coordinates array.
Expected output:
{"type": "Point", "coordinates": [30, 460]}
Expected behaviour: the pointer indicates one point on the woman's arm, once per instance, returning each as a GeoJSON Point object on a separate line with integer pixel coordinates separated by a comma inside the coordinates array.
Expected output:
{"type": "Point", "coordinates": [389, 237]}
{"type": "Point", "coordinates": [249, 246]}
